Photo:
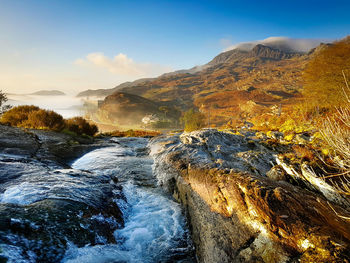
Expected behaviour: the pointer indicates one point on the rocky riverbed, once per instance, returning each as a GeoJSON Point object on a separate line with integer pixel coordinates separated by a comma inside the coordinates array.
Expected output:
{"type": "Point", "coordinates": [102, 207]}
{"type": "Point", "coordinates": [69, 199]}
{"type": "Point", "coordinates": [244, 204]}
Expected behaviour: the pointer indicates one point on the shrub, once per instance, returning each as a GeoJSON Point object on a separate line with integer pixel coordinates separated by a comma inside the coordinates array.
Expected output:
{"type": "Point", "coordinates": [193, 120]}
{"type": "Point", "coordinates": [80, 126]}
{"type": "Point", "coordinates": [44, 119]}
{"type": "Point", "coordinates": [17, 115]}
{"type": "Point", "coordinates": [35, 118]}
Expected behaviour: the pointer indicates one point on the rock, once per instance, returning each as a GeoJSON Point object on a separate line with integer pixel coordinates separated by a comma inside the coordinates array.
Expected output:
{"type": "Point", "coordinates": [43, 206]}
{"type": "Point", "coordinates": [237, 212]}
{"type": "Point", "coordinates": [52, 148]}
{"type": "Point", "coordinates": [46, 227]}
{"type": "Point", "coordinates": [277, 173]}
{"type": "Point", "coordinates": [275, 135]}
{"type": "Point", "coordinates": [17, 141]}
{"type": "Point", "coordinates": [302, 138]}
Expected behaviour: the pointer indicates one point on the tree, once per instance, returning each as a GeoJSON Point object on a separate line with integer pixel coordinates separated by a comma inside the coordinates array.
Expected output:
{"type": "Point", "coordinates": [3, 100]}
{"type": "Point", "coordinates": [193, 120]}
{"type": "Point", "coordinates": [324, 75]}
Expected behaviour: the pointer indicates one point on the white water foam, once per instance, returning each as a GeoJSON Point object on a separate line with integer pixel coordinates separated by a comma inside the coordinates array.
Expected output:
{"type": "Point", "coordinates": [154, 229]}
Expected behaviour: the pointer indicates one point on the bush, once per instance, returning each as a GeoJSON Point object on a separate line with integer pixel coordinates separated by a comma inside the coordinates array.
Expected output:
{"type": "Point", "coordinates": [43, 119]}
{"type": "Point", "coordinates": [35, 118]}
{"type": "Point", "coordinates": [193, 120]}
{"type": "Point", "coordinates": [17, 115]}
{"type": "Point", "coordinates": [80, 126]}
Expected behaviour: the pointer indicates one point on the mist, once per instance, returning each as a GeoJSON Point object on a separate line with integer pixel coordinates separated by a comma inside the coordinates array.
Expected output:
{"type": "Point", "coordinates": [66, 105]}
{"type": "Point", "coordinates": [283, 43]}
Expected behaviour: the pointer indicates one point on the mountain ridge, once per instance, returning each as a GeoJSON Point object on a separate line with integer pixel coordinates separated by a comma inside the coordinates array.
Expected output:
{"type": "Point", "coordinates": [264, 51]}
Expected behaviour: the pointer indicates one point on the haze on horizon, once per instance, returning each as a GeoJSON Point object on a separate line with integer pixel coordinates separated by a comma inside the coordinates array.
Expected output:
{"type": "Point", "coordinates": [77, 45]}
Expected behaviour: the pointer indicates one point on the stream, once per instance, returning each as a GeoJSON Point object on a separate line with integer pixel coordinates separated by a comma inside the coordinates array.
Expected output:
{"type": "Point", "coordinates": [107, 208]}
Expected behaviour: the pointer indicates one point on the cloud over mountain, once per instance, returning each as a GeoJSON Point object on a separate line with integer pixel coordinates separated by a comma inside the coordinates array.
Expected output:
{"type": "Point", "coordinates": [283, 43]}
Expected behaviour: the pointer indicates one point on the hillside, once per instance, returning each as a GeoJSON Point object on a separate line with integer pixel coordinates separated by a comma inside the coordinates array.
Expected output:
{"type": "Point", "coordinates": [235, 85]}
{"type": "Point", "coordinates": [126, 109]}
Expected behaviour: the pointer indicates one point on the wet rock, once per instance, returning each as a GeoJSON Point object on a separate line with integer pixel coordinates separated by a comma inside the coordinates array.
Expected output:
{"type": "Point", "coordinates": [239, 209]}
{"type": "Point", "coordinates": [45, 205]}
{"type": "Point", "coordinates": [49, 147]}
{"type": "Point", "coordinates": [44, 228]}
{"type": "Point", "coordinates": [17, 141]}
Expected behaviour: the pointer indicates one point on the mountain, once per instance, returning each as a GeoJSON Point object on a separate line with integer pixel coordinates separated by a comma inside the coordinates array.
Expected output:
{"type": "Point", "coordinates": [48, 93]}
{"type": "Point", "coordinates": [235, 85]}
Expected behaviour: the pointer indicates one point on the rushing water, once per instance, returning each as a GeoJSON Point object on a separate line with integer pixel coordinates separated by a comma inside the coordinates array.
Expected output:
{"type": "Point", "coordinates": [154, 228]}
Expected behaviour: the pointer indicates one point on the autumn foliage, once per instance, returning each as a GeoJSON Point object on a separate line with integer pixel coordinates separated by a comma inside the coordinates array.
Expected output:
{"type": "Point", "coordinates": [325, 73]}
{"type": "Point", "coordinates": [35, 118]}
{"type": "Point", "coordinates": [80, 126]}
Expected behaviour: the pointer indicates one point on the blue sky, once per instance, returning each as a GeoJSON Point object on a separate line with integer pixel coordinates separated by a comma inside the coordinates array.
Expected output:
{"type": "Point", "coordinates": [73, 45]}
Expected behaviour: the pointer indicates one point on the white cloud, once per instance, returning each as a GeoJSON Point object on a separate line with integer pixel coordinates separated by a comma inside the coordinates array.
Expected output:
{"type": "Point", "coordinates": [285, 43]}
{"type": "Point", "coordinates": [122, 65]}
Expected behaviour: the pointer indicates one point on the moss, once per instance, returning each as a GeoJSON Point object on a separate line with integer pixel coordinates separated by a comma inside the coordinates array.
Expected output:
{"type": "Point", "coordinates": [325, 151]}
{"type": "Point", "coordinates": [289, 137]}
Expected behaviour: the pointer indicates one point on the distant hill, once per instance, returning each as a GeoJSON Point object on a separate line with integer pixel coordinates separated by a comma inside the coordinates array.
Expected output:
{"type": "Point", "coordinates": [129, 109]}
{"type": "Point", "coordinates": [106, 92]}
{"type": "Point", "coordinates": [48, 93]}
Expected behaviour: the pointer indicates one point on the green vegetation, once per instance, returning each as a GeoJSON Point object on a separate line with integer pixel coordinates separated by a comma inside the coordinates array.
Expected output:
{"type": "Point", "coordinates": [35, 118]}
{"type": "Point", "coordinates": [193, 120]}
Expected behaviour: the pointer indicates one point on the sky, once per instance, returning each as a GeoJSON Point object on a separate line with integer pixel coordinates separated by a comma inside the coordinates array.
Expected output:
{"type": "Point", "coordinates": [74, 45]}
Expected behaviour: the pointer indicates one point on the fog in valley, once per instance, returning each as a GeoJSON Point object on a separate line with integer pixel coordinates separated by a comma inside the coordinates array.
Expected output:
{"type": "Point", "coordinates": [66, 105]}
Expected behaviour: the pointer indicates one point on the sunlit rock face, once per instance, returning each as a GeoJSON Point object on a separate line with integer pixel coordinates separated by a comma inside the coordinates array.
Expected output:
{"type": "Point", "coordinates": [238, 211]}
